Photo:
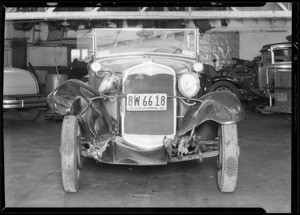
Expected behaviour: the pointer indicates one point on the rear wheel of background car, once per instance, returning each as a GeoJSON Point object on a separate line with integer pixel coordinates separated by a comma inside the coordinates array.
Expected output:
{"type": "Point", "coordinates": [224, 85]}
{"type": "Point", "coordinates": [29, 114]}
{"type": "Point", "coordinates": [228, 159]}
{"type": "Point", "coordinates": [71, 162]}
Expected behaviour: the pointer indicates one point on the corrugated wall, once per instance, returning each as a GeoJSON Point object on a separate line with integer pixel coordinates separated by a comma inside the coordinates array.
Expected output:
{"type": "Point", "coordinates": [218, 48]}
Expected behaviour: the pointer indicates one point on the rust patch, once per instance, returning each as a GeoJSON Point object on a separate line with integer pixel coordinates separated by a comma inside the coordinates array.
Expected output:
{"type": "Point", "coordinates": [231, 166]}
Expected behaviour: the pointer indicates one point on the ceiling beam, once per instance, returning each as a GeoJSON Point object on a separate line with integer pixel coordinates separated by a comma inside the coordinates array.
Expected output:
{"type": "Point", "coordinates": [143, 9]}
{"type": "Point", "coordinates": [50, 9]}
{"type": "Point", "coordinates": [95, 9]}
{"type": "Point", "coordinates": [102, 15]}
{"type": "Point", "coordinates": [282, 6]}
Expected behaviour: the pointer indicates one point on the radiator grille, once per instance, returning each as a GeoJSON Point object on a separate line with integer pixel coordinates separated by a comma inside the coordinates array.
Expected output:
{"type": "Point", "coordinates": [150, 79]}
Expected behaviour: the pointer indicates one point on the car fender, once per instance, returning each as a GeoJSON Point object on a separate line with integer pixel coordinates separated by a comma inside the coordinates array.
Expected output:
{"type": "Point", "coordinates": [234, 81]}
{"type": "Point", "coordinates": [215, 79]}
{"type": "Point", "coordinates": [220, 106]}
{"type": "Point", "coordinates": [74, 97]}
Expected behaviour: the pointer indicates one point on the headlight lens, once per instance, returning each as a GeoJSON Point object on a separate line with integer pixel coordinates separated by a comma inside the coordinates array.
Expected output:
{"type": "Point", "coordinates": [198, 67]}
{"type": "Point", "coordinates": [95, 66]}
{"type": "Point", "coordinates": [189, 84]}
{"type": "Point", "coordinates": [110, 84]}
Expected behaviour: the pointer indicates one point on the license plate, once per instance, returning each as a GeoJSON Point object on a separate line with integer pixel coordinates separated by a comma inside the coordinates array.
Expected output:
{"type": "Point", "coordinates": [281, 97]}
{"type": "Point", "coordinates": [146, 102]}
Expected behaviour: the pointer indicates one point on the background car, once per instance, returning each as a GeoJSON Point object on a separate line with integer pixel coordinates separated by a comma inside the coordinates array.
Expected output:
{"type": "Point", "coordinates": [145, 105]}
{"type": "Point", "coordinates": [240, 78]}
{"type": "Point", "coordinates": [21, 92]}
{"type": "Point", "coordinates": [275, 77]}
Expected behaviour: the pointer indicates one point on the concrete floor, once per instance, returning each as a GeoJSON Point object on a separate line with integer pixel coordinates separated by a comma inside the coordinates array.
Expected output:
{"type": "Point", "coordinates": [32, 172]}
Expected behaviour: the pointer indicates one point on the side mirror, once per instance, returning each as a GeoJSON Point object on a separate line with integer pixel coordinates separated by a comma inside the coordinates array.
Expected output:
{"type": "Point", "coordinates": [260, 64]}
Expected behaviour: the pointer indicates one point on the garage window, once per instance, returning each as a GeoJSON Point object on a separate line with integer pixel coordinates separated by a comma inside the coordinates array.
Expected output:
{"type": "Point", "coordinates": [78, 54]}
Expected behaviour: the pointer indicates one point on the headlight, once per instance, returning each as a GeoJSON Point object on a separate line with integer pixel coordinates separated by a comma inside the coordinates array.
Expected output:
{"type": "Point", "coordinates": [95, 66]}
{"type": "Point", "coordinates": [189, 84]}
{"type": "Point", "coordinates": [198, 67]}
{"type": "Point", "coordinates": [110, 84]}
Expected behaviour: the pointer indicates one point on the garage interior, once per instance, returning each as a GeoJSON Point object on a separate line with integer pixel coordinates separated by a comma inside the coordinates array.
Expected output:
{"type": "Point", "coordinates": [49, 38]}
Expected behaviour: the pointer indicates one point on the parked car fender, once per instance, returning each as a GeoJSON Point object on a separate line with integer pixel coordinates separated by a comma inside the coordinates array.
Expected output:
{"type": "Point", "coordinates": [19, 82]}
{"type": "Point", "coordinates": [221, 107]}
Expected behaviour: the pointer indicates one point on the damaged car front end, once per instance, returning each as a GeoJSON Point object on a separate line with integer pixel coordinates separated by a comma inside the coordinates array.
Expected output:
{"type": "Point", "coordinates": [144, 104]}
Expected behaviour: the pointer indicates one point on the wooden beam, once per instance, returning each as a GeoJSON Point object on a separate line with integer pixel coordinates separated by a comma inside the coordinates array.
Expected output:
{"type": "Point", "coordinates": [50, 9]}
{"type": "Point", "coordinates": [282, 6]}
{"type": "Point", "coordinates": [10, 9]}
{"type": "Point", "coordinates": [171, 15]}
{"type": "Point", "coordinates": [143, 9]}
{"type": "Point", "coordinates": [95, 9]}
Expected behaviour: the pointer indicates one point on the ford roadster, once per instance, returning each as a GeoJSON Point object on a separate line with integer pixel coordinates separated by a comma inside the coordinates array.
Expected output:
{"type": "Point", "coordinates": [144, 104]}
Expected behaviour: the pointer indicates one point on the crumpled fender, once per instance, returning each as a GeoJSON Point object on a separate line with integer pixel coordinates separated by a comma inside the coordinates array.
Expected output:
{"type": "Point", "coordinates": [73, 97]}
{"type": "Point", "coordinates": [219, 106]}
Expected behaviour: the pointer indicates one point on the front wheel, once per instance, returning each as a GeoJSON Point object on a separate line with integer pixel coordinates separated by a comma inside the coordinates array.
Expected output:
{"type": "Point", "coordinates": [70, 153]}
{"type": "Point", "coordinates": [224, 85]}
{"type": "Point", "coordinates": [228, 159]}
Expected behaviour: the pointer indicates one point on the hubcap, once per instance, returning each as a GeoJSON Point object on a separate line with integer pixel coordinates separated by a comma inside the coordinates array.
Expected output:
{"type": "Point", "coordinates": [224, 89]}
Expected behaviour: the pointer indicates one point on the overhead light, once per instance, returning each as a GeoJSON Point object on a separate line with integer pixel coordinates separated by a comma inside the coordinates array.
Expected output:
{"type": "Point", "coordinates": [51, 4]}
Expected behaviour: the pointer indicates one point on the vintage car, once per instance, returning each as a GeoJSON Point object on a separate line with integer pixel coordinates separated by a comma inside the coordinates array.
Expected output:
{"type": "Point", "coordinates": [21, 92]}
{"type": "Point", "coordinates": [264, 83]}
{"type": "Point", "coordinates": [145, 105]}
{"type": "Point", "coordinates": [240, 78]}
{"type": "Point", "coordinates": [275, 78]}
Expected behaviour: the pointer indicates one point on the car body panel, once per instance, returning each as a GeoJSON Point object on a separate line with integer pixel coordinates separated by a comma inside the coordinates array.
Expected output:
{"type": "Point", "coordinates": [21, 90]}
{"type": "Point", "coordinates": [221, 107]}
{"type": "Point", "coordinates": [275, 77]}
{"type": "Point", "coordinates": [19, 82]}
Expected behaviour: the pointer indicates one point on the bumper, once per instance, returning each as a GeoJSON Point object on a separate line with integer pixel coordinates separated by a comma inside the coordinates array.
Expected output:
{"type": "Point", "coordinates": [118, 151]}
{"type": "Point", "coordinates": [28, 102]}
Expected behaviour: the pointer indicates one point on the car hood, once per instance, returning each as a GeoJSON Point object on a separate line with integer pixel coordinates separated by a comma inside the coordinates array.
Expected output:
{"type": "Point", "coordinates": [119, 64]}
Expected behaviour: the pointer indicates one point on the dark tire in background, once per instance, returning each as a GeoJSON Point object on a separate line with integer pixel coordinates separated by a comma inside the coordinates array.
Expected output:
{"type": "Point", "coordinates": [223, 85]}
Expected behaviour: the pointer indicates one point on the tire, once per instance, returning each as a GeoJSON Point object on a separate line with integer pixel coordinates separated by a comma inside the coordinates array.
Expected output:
{"type": "Point", "coordinates": [228, 159]}
{"type": "Point", "coordinates": [223, 85]}
{"type": "Point", "coordinates": [71, 162]}
{"type": "Point", "coordinates": [28, 114]}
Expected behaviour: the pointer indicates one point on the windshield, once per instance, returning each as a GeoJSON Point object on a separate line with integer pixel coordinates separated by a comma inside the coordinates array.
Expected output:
{"type": "Point", "coordinates": [136, 40]}
{"type": "Point", "coordinates": [283, 54]}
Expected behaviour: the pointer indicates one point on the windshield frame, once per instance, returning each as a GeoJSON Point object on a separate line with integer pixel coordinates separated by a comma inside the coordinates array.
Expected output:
{"type": "Point", "coordinates": [280, 47]}
{"type": "Point", "coordinates": [195, 51]}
